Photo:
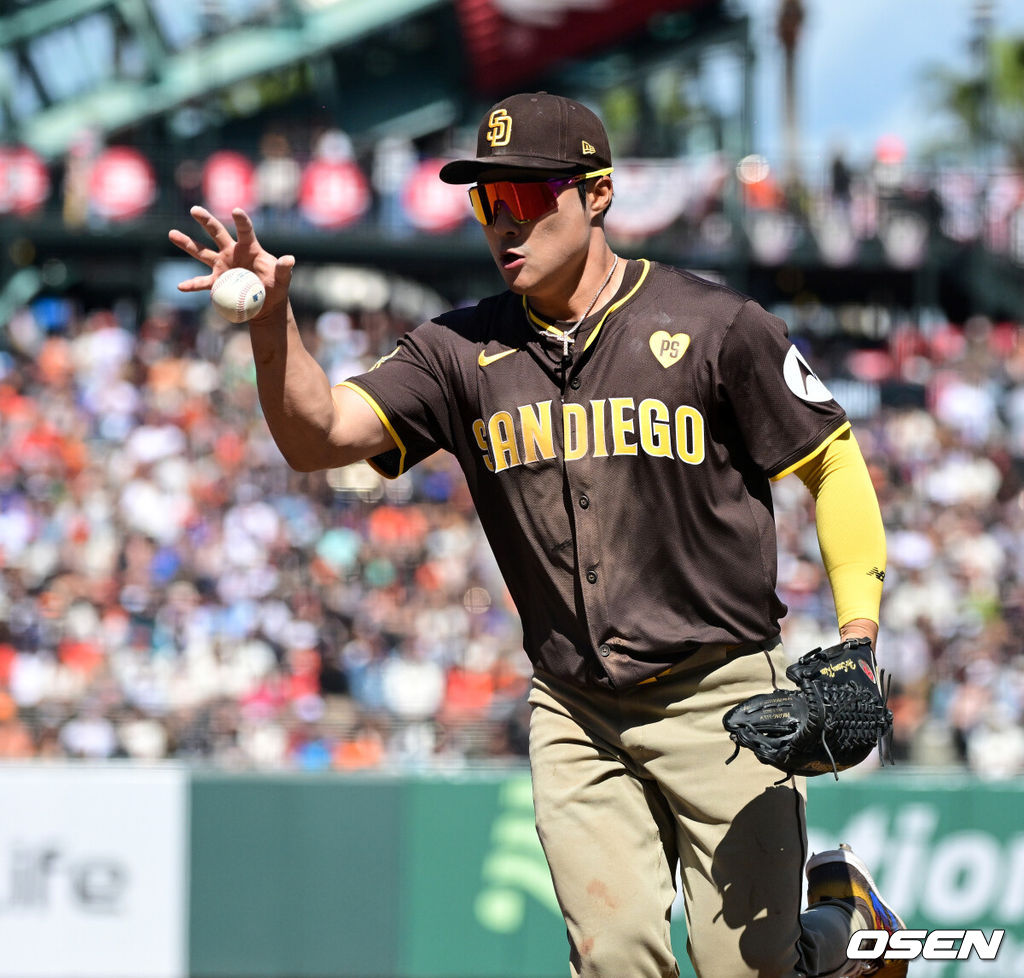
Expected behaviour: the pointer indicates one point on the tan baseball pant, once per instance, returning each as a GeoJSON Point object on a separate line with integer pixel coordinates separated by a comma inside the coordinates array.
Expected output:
{"type": "Point", "coordinates": [628, 785]}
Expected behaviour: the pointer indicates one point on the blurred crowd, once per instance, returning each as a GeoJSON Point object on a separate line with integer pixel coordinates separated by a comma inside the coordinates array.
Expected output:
{"type": "Point", "coordinates": [946, 455]}
{"type": "Point", "coordinates": [312, 179]}
{"type": "Point", "coordinates": [170, 589]}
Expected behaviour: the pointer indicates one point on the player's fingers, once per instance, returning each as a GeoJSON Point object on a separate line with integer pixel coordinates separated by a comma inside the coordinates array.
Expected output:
{"type": "Point", "coordinates": [249, 251]}
{"type": "Point", "coordinates": [192, 247]}
{"type": "Point", "coordinates": [246, 234]}
{"type": "Point", "coordinates": [218, 233]}
{"type": "Point", "coordinates": [197, 284]}
{"type": "Point", "coordinates": [243, 225]}
{"type": "Point", "coordinates": [283, 270]}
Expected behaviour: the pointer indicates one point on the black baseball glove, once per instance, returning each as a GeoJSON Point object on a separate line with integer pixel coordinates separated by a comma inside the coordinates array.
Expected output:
{"type": "Point", "coordinates": [835, 718]}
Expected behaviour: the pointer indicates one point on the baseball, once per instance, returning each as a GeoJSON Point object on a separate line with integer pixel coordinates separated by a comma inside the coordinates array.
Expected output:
{"type": "Point", "coordinates": [238, 295]}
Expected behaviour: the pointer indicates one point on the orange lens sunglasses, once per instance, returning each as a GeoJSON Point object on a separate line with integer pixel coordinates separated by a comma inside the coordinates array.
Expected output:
{"type": "Point", "coordinates": [524, 201]}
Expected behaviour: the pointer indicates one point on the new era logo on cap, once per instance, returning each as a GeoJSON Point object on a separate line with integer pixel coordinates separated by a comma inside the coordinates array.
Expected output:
{"type": "Point", "coordinates": [535, 131]}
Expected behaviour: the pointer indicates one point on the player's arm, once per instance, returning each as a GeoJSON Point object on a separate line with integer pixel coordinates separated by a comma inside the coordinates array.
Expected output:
{"type": "Point", "coordinates": [850, 533]}
{"type": "Point", "coordinates": [314, 425]}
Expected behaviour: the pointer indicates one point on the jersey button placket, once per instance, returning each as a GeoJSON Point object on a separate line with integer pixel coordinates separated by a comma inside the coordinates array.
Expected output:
{"type": "Point", "coordinates": [581, 476]}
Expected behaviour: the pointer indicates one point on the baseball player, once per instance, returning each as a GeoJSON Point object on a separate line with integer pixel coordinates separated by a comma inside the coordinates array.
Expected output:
{"type": "Point", "coordinates": [619, 423]}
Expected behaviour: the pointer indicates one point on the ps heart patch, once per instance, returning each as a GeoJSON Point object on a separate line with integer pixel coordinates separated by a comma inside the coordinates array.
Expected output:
{"type": "Point", "coordinates": [669, 349]}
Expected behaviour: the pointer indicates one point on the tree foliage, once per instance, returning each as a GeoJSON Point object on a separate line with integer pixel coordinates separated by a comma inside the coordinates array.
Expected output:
{"type": "Point", "coordinates": [985, 105]}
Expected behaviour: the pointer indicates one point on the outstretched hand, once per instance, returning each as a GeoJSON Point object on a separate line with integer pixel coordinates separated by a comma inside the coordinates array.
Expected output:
{"type": "Point", "coordinates": [242, 251]}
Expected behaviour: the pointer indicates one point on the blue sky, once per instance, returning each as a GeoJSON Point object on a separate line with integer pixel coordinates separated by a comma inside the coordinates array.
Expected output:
{"type": "Point", "coordinates": [859, 68]}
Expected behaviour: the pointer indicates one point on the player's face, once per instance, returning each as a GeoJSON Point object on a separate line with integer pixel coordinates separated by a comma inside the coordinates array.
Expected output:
{"type": "Point", "coordinates": [544, 258]}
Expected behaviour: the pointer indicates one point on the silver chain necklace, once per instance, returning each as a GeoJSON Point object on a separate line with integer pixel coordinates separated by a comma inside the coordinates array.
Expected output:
{"type": "Point", "coordinates": [568, 335]}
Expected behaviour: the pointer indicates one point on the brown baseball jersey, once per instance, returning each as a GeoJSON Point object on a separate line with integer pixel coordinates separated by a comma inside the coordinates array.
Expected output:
{"type": "Point", "coordinates": [624, 489]}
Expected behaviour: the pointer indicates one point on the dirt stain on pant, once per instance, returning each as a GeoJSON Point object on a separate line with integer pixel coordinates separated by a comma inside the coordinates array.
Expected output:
{"type": "Point", "coordinates": [600, 891]}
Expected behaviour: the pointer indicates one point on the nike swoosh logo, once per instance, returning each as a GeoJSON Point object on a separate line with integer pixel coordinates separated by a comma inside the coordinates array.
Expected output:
{"type": "Point", "coordinates": [484, 359]}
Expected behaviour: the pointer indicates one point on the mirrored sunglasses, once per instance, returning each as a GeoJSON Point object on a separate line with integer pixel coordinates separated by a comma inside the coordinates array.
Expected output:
{"type": "Point", "coordinates": [523, 201]}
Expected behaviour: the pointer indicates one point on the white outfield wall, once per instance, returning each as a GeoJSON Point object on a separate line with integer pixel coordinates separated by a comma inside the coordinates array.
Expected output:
{"type": "Point", "coordinates": [93, 871]}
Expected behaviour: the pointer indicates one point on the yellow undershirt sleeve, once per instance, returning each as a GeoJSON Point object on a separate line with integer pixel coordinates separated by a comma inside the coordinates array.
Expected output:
{"type": "Point", "coordinates": [849, 523]}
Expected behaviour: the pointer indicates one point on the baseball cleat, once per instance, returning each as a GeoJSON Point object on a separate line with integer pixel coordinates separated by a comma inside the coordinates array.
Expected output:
{"type": "Point", "coordinates": [838, 874]}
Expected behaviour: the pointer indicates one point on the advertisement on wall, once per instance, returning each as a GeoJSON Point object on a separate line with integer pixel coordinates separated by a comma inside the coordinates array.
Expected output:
{"type": "Point", "coordinates": [947, 852]}
{"type": "Point", "coordinates": [92, 872]}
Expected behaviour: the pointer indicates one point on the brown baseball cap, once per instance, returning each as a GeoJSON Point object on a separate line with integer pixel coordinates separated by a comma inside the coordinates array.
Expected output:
{"type": "Point", "coordinates": [536, 131]}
